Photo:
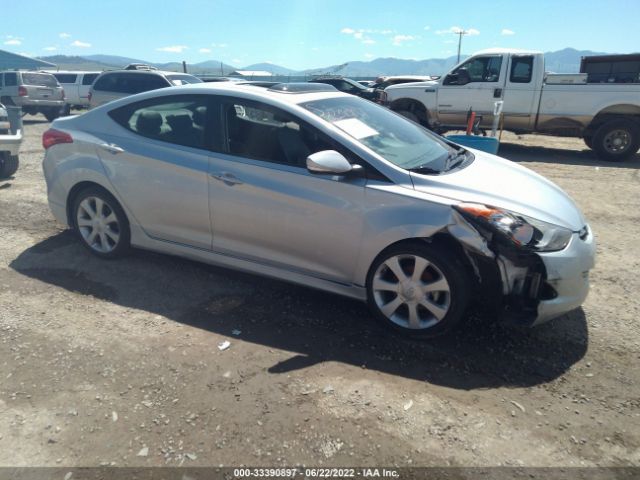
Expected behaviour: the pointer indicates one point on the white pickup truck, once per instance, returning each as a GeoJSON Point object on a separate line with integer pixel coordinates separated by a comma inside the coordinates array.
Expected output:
{"type": "Point", "coordinates": [607, 116]}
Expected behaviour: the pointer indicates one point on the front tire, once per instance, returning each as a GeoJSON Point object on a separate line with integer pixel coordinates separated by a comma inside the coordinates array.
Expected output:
{"type": "Point", "coordinates": [8, 165]}
{"type": "Point", "coordinates": [408, 115]}
{"type": "Point", "coordinates": [418, 289]}
{"type": "Point", "coordinates": [101, 223]}
{"type": "Point", "coordinates": [617, 140]}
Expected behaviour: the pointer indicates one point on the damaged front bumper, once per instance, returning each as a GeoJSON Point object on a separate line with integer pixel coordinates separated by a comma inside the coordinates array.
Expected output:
{"type": "Point", "coordinates": [546, 285]}
{"type": "Point", "coordinates": [529, 287]}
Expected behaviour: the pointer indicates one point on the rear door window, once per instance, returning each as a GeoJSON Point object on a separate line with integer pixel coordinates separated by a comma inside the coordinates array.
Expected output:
{"type": "Point", "coordinates": [179, 119]}
{"type": "Point", "coordinates": [521, 69]}
{"type": "Point", "coordinates": [138, 83]}
{"type": "Point", "coordinates": [40, 79]}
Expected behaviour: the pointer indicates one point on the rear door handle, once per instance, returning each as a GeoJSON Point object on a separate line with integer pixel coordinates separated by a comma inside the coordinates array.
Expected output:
{"type": "Point", "coordinates": [497, 93]}
{"type": "Point", "coordinates": [226, 178]}
{"type": "Point", "coordinates": [112, 148]}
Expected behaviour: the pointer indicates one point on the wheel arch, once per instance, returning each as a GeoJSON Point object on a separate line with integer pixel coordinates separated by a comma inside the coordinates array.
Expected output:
{"type": "Point", "coordinates": [414, 106]}
{"type": "Point", "coordinates": [613, 112]}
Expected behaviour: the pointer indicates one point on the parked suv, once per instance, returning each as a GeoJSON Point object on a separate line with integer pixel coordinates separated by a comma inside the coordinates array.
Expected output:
{"type": "Point", "coordinates": [76, 88]}
{"type": "Point", "coordinates": [35, 92]}
{"type": "Point", "coordinates": [122, 83]}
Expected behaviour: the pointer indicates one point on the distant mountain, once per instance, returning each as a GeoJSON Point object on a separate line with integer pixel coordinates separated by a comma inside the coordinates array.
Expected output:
{"type": "Point", "coordinates": [270, 67]}
{"type": "Point", "coordinates": [566, 60]}
{"type": "Point", "coordinates": [114, 60]}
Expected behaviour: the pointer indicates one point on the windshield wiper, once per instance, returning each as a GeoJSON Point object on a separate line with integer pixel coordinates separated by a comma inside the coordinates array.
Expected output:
{"type": "Point", "coordinates": [456, 158]}
{"type": "Point", "coordinates": [425, 169]}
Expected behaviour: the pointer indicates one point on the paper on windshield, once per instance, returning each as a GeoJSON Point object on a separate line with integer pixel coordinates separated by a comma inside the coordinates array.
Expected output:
{"type": "Point", "coordinates": [356, 128]}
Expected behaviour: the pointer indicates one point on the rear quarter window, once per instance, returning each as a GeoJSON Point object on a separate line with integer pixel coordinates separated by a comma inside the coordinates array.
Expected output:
{"type": "Point", "coordinates": [10, 79]}
{"type": "Point", "coordinates": [89, 78]}
{"type": "Point", "coordinates": [66, 77]}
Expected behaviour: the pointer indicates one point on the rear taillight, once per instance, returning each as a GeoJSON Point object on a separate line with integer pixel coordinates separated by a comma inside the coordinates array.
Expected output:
{"type": "Point", "coordinates": [22, 92]}
{"type": "Point", "coordinates": [52, 137]}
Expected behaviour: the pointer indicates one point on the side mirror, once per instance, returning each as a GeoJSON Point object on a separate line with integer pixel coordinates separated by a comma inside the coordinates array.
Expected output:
{"type": "Point", "coordinates": [328, 161]}
{"type": "Point", "coordinates": [463, 76]}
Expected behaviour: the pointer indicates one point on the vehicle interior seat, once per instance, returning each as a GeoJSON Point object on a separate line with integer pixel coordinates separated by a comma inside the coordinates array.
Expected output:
{"type": "Point", "coordinates": [149, 123]}
{"type": "Point", "coordinates": [183, 131]}
{"type": "Point", "coordinates": [293, 146]}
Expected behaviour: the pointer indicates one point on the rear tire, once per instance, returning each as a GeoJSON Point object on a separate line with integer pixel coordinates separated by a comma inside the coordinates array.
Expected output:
{"type": "Point", "coordinates": [8, 165]}
{"type": "Point", "coordinates": [418, 289]}
{"type": "Point", "coordinates": [617, 140]}
{"type": "Point", "coordinates": [101, 223]}
{"type": "Point", "coordinates": [51, 115]}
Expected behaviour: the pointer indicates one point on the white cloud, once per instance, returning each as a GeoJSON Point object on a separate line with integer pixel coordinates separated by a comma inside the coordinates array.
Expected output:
{"type": "Point", "coordinates": [358, 35]}
{"type": "Point", "coordinates": [386, 32]}
{"type": "Point", "coordinates": [205, 50]}
{"type": "Point", "coordinates": [427, 27]}
{"type": "Point", "coordinates": [368, 41]}
{"type": "Point", "coordinates": [173, 49]}
{"type": "Point", "coordinates": [506, 31]}
{"type": "Point", "coordinates": [64, 35]}
{"type": "Point", "coordinates": [50, 49]}
{"type": "Point", "coordinates": [348, 31]}
{"type": "Point", "coordinates": [368, 55]}
{"type": "Point", "coordinates": [13, 41]}
{"type": "Point", "coordinates": [456, 30]}
{"type": "Point", "coordinates": [399, 39]}
{"type": "Point", "coordinates": [78, 43]}
{"type": "Point", "coordinates": [236, 61]}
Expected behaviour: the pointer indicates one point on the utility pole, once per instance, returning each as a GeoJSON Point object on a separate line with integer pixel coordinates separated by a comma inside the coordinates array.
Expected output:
{"type": "Point", "coordinates": [460, 34]}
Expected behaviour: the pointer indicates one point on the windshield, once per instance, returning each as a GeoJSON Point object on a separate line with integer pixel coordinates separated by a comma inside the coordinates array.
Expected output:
{"type": "Point", "coordinates": [394, 138]}
{"type": "Point", "coordinates": [183, 79]}
{"type": "Point", "coordinates": [42, 79]}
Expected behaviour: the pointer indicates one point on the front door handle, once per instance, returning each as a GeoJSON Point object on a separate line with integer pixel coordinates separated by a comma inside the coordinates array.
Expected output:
{"type": "Point", "coordinates": [112, 148]}
{"type": "Point", "coordinates": [226, 178]}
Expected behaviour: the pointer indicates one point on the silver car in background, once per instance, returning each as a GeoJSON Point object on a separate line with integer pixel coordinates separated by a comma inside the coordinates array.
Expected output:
{"type": "Point", "coordinates": [307, 184]}
{"type": "Point", "coordinates": [114, 84]}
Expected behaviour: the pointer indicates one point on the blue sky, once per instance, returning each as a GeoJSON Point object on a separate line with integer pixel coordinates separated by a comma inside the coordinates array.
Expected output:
{"type": "Point", "coordinates": [313, 33]}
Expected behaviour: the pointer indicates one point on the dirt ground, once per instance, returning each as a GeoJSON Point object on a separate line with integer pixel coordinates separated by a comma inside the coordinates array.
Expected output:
{"type": "Point", "coordinates": [117, 362]}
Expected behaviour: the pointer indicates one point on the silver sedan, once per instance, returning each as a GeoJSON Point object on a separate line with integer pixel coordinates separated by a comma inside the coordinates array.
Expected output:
{"type": "Point", "coordinates": [303, 183]}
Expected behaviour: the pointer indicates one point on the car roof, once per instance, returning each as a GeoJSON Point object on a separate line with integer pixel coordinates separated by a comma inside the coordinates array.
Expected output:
{"type": "Point", "coordinates": [53, 72]}
{"type": "Point", "coordinates": [248, 91]}
{"type": "Point", "coordinates": [141, 72]}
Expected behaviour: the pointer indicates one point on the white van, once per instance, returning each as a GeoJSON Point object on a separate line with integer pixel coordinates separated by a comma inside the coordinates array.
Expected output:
{"type": "Point", "coordinates": [76, 87]}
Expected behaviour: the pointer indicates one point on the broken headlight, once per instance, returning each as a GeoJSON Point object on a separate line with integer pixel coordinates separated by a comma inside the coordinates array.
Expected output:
{"type": "Point", "coordinates": [518, 229]}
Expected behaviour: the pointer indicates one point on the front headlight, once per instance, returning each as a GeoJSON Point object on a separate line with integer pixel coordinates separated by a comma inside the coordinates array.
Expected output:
{"type": "Point", "coordinates": [520, 230]}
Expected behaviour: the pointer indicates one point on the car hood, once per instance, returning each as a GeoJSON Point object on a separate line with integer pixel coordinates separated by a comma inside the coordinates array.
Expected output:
{"type": "Point", "coordinates": [416, 84]}
{"type": "Point", "coordinates": [497, 182]}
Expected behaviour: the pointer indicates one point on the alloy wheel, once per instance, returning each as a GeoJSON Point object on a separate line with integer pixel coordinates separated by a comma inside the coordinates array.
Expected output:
{"type": "Point", "coordinates": [411, 291]}
{"type": "Point", "coordinates": [98, 224]}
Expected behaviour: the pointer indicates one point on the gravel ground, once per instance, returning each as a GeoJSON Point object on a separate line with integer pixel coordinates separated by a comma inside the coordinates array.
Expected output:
{"type": "Point", "coordinates": [117, 362]}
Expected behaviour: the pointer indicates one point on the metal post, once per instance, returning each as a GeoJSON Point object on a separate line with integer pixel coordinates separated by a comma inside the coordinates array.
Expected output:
{"type": "Point", "coordinates": [184, 66]}
{"type": "Point", "coordinates": [460, 33]}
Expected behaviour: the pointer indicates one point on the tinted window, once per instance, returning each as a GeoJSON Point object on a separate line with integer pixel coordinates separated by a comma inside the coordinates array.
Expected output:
{"type": "Point", "coordinates": [10, 79]}
{"type": "Point", "coordinates": [89, 78]}
{"type": "Point", "coordinates": [262, 132]}
{"type": "Point", "coordinates": [480, 69]}
{"type": "Point", "coordinates": [66, 77]}
{"type": "Point", "coordinates": [40, 79]}
{"type": "Point", "coordinates": [130, 83]}
{"type": "Point", "coordinates": [178, 120]}
{"type": "Point", "coordinates": [521, 69]}
{"type": "Point", "coordinates": [183, 79]}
